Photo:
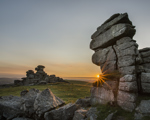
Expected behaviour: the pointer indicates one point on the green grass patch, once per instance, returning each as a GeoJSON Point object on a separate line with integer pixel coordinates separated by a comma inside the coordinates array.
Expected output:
{"type": "Point", "coordinates": [69, 92]}
{"type": "Point", "coordinates": [105, 110]}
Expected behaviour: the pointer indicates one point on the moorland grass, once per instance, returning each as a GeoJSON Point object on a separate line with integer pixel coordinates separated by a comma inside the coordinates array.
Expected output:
{"type": "Point", "coordinates": [69, 92]}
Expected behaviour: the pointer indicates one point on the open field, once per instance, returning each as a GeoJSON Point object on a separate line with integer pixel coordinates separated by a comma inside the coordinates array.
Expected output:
{"type": "Point", "coordinates": [69, 92]}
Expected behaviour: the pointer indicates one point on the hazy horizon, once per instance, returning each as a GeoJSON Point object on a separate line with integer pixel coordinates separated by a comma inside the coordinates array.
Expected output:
{"type": "Point", "coordinates": [57, 34]}
{"type": "Point", "coordinates": [5, 80]}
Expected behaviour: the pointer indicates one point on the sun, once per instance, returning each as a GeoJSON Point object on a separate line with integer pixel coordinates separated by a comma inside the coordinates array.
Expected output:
{"type": "Point", "coordinates": [97, 76]}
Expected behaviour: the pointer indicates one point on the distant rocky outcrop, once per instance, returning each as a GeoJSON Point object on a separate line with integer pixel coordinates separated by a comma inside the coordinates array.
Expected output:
{"type": "Point", "coordinates": [40, 77]}
{"type": "Point", "coordinates": [115, 50]}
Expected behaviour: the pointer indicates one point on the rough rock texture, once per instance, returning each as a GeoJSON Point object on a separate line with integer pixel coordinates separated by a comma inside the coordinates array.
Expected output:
{"type": "Point", "coordinates": [91, 114]}
{"type": "Point", "coordinates": [115, 50]}
{"type": "Point", "coordinates": [102, 95]}
{"type": "Point", "coordinates": [85, 102]}
{"type": "Point", "coordinates": [126, 100]}
{"type": "Point", "coordinates": [38, 78]}
{"type": "Point", "coordinates": [32, 104]}
{"type": "Point", "coordinates": [19, 118]}
{"type": "Point", "coordinates": [145, 82]}
{"type": "Point", "coordinates": [142, 110]}
{"type": "Point", "coordinates": [63, 113]}
{"type": "Point", "coordinates": [46, 101]}
{"type": "Point", "coordinates": [79, 114]}
{"type": "Point", "coordinates": [27, 101]}
{"type": "Point", "coordinates": [10, 106]}
{"type": "Point", "coordinates": [110, 36]}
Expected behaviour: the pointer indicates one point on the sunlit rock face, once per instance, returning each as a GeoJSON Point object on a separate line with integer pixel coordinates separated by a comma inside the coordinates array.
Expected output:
{"type": "Point", "coordinates": [115, 50]}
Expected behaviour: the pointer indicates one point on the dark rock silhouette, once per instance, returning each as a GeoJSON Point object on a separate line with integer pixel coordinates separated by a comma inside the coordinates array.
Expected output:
{"type": "Point", "coordinates": [38, 78]}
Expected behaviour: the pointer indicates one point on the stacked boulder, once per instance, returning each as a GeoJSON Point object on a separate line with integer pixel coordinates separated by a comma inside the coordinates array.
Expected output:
{"type": "Point", "coordinates": [40, 77]}
{"type": "Point", "coordinates": [115, 50]}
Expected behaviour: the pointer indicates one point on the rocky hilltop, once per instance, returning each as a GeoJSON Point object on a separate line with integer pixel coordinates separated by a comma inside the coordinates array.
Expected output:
{"type": "Point", "coordinates": [117, 52]}
{"type": "Point", "coordinates": [40, 77]}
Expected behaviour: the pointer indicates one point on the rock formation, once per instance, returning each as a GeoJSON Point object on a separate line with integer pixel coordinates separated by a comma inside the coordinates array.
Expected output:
{"type": "Point", "coordinates": [32, 104]}
{"type": "Point", "coordinates": [116, 51]}
{"type": "Point", "coordinates": [40, 77]}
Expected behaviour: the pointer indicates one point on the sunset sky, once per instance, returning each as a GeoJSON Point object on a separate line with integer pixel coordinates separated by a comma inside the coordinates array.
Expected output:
{"type": "Point", "coordinates": [56, 33]}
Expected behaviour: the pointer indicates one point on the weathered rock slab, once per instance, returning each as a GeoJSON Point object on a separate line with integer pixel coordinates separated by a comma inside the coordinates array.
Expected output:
{"type": "Point", "coordinates": [27, 101]}
{"type": "Point", "coordinates": [144, 108]}
{"type": "Point", "coordinates": [85, 102]}
{"type": "Point", "coordinates": [114, 19]}
{"type": "Point", "coordinates": [145, 87]}
{"type": "Point", "coordinates": [126, 96]}
{"type": "Point", "coordinates": [128, 78]}
{"type": "Point", "coordinates": [63, 113]}
{"type": "Point", "coordinates": [79, 114]}
{"type": "Point", "coordinates": [129, 70]}
{"type": "Point", "coordinates": [92, 113]}
{"type": "Point", "coordinates": [101, 95]}
{"type": "Point", "coordinates": [46, 101]}
{"type": "Point", "coordinates": [128, 86]}
{"type": "Point", "coordinates": [108, 66]}
{"type": "Point", "coordinates": [126, 61]}
{"type": "Point", "coordinates": [103, 55]}
{"type": "Point", "coordinates": [10, 106]}
{"type": "Point", "coordinates": [128, 106]}
{"type": "Point", "coordinates": [146, 65]}
{"type": "Point", "coordinates": [112, 35]}
{"type": "Point", "coordinates": [145, 77]}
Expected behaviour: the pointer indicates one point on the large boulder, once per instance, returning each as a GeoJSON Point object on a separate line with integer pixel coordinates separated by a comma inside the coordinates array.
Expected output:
{"type": "Point", "coordinates": [84, 102]}
{"type": "Point", "coordinates": [128, 86]}
{"type": "Point", "coordinates": [92, 114]}
{"type": "Point", "coordinates": [46, 101]}
{"type": "Point", "coordinates": [126, 100]}
{"type": "Point", "coordinates": [63, 113]}
{"type": "Point", "coordinates": [101, 95]}
{"type": "Point", "coordinates": [27, 101]}
{"type": "Point", "coordinates": [109, 37]}
{"type": "Point", "coordinates": [103, 55]}
{"type": "Point", "coordinates": [39, 68]}
{"type": "Point", "coordinates": [79, 114]}
{"type": "Point", "coordinates": [114, 19]}
{"type": "Point", "coordinates": [30, 74]}
{"type": "Point", "coordinates": [10, 107]}
{"type": "Point", "coordinates": [142, 110]}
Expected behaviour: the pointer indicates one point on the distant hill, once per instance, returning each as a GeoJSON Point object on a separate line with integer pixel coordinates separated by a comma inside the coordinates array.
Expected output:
{"type": "Point", "coordinates": [7, 80]}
